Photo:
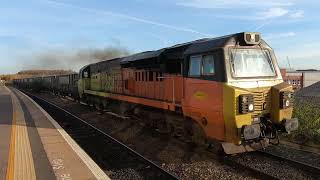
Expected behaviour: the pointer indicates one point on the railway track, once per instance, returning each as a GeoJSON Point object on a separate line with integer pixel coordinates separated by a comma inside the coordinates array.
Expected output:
{"type": "Point", "coordinates": [301, 165]}
{"type": "Point", "coordinates": [253, 171]}
{"type": "Point", "coordinates": [109, 153]}
{"type": "Point", "coordinates": [80, 134]}
{"type": "Point", "coordinates": [302, 147]}
{"type": "Point", "coordinates": [267, 165]}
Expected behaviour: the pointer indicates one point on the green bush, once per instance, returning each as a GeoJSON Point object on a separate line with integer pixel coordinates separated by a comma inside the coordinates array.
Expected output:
{"type": "Point", "coordinates": [307, 110]}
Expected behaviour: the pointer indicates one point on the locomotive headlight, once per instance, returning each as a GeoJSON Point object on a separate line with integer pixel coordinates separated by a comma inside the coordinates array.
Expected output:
{"type": "Point", "coordinates": [246, 104]}
{"type": "Point", "coordinates": [250, 107]}
{"type": "Point", "coordinates": [287, 103]}
{"type": "Point", "coordinates": [252, 38]}
{"type": "Point", "coordinates": [286, 99]}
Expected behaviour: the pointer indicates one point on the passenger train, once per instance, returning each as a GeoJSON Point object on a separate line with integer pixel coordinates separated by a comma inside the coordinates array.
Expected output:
{"type": "Point", "coordinates": [227, 90]}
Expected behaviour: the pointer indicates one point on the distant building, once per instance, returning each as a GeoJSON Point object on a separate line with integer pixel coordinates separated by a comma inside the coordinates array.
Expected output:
{"type": "Point", "coordinates": [300, 78]}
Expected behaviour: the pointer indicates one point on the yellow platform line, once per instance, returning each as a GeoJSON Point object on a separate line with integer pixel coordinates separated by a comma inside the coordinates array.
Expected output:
{"type": "Point", "coordinates": [10, 167]}
{"type": "Point", "coordinates": [21, 165]}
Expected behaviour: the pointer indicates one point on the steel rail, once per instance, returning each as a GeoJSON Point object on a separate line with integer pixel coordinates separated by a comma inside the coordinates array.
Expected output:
{"type": "Point", "coordinates": [302, 165]}
{"type": "Point", "coordinates": [255, 172]}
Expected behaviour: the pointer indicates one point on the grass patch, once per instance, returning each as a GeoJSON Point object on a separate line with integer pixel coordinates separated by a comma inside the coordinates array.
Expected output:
{"type": "Point", "coordinates": [307, 110]}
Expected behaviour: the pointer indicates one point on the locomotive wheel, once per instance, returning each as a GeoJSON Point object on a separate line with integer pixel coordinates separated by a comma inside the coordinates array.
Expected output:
{"type": "Point", "coordinates": [198, 136]}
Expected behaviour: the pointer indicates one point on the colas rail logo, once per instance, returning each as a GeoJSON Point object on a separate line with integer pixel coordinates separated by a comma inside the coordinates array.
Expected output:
{"type": "Point", "coordinates": [200, 95]}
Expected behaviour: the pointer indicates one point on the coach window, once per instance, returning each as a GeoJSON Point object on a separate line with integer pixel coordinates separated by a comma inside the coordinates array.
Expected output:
{"type": "Point", "coordinates": [208, 65]}
{"type": "Point", "coordinates": [195, 66]}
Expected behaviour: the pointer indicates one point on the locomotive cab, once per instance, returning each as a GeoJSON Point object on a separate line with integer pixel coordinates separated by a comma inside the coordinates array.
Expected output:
{"type": "Point", "coordinates": [264, 102]}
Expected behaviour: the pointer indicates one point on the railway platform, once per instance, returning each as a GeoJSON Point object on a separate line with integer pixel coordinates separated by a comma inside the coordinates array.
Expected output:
{"type": "Point", "coordinates": [34, 146]}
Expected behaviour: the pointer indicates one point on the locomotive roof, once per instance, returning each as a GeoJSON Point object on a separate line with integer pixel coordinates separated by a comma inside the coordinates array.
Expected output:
{"type": "Point", "coordinates": [157, 53]}
{"type": "Point", "coordinates": [180, 50]}
{"type": "Point", "coordinates": [142, 55]}
{"type": "Point", "coordinates": [219, 42]}
{"type": "Point", "coordinates": [209, 44]}
{"type": "Point", "coordinates": [197, 46]}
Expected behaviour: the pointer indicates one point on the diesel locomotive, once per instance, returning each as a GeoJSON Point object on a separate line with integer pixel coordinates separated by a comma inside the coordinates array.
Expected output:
{"type": "Point", "coordinates": [227, 90]}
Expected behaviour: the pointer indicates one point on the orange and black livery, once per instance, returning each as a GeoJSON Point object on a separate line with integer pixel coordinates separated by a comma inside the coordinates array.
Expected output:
{"type": "Point", "coordinates": [227, 89]}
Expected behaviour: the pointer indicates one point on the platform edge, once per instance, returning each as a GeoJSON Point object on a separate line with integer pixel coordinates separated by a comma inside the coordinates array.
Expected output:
{"type": "Point", "coordinates": [94, 168]}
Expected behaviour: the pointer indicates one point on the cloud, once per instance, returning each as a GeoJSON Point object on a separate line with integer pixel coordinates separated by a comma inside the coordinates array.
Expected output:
{"type": "Point", "coordinates": [280, 35]}
{"type": "Point", "coordinates": [297, 14]}
{"type": "Point", "coordinates": [270, 16]}
{"type": "Point", "coordinates": [128, 17]}
{"type": "Point", "coordinates": [272, 13]}
{"type": "Point", "coordinates": [263, 18]}
{"type": "Point", "coordinates": [214, 4]}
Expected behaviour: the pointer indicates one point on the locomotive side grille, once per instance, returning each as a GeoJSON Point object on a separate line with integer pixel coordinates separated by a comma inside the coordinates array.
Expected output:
{"type": "Point", "coordinates": [261, 102]}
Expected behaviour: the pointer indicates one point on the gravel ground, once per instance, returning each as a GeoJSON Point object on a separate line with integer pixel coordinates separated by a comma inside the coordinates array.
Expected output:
{"type": "Point", "coordinates": [182, 159]}
{"type": "Point", "coordinates": [297, 155]}
{"type": "Point", "coordinates": [276, 168]}
{"type": "Point", "coordinates": [125, 174]}
{"type": "Point", "coordinates": [203, 170]}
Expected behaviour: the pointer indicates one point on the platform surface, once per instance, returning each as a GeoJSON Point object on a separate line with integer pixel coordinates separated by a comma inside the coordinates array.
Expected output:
{"type": "Point", "coordinates": [34, 146]}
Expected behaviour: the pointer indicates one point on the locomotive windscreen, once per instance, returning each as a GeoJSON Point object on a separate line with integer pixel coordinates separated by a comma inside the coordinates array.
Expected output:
{"type": "Point", "coordinates": [251, 63]}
